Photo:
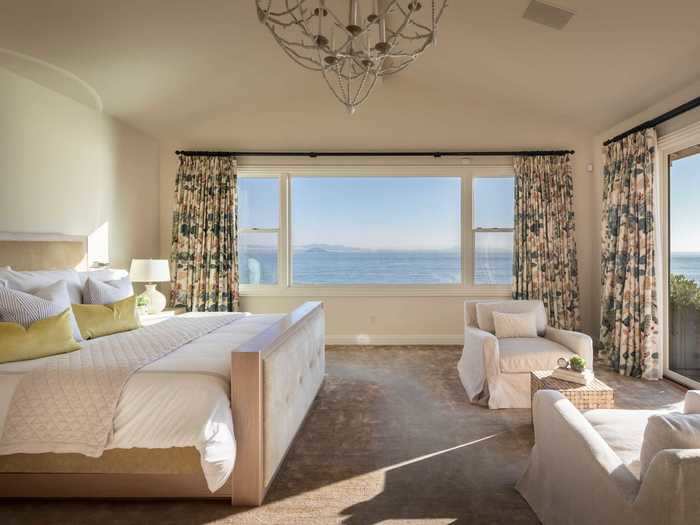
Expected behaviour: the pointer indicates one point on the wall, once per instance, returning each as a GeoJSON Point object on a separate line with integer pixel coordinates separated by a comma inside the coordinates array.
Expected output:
{"type": "Point", "coordinates": [66, 168]}
{"type": "Point", "coordinates": [680, 97]}
{"type": "Point", "coordinates": [405, 319]}
{"type": "Point", "coordinates": [439, 319]}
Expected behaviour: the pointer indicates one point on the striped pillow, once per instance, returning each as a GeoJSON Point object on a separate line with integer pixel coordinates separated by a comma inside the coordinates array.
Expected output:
{"type": "Point", "coordinates": [107, 292]}
{"type": "Point", "coordinates": [24, 309]}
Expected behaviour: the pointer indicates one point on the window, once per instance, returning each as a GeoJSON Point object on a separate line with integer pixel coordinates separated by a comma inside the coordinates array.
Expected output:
{"type": "Point", "coordinates": [683, 357]}
{"type": "Point", "coordinates": [258, 229]}
{"type": "Point", "coordinates": [382, 228]}
{"type": "Point", "coordinates": [492, 225]}
{"type": "Point", "coordinates": [376, 230]}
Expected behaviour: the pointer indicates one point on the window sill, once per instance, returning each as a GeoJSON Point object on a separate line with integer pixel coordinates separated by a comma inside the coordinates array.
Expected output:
{"type": "Point", "coordinates": [485, 291]}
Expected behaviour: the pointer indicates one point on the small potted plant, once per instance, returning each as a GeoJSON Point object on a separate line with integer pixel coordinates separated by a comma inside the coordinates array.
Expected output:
{"type": "Point", "coordinates": [577, 363]}
{"type": "Point", "coordinates": [142, 304]}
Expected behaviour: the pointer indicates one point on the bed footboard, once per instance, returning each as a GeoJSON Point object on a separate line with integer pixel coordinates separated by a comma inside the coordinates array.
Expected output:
{"type": "Point", "coordinates": [274, 379]}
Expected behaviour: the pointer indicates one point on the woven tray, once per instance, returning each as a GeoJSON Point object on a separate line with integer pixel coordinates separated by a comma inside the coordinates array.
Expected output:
{"type": "Point", "coordinates": [596, 394]}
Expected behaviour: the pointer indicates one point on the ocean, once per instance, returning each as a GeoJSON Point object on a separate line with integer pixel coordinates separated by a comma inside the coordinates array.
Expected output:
{"type": "Point", "coordinates": [259, 265]}
{"type": "Point", "coordinates": [374, 267]}
{"type": "Point", "coordinates": [687, 264]}
{"type": "Point", "coordinates": [400, 267]}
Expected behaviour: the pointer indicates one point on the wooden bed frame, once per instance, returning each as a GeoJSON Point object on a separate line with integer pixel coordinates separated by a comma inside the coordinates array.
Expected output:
{"type": "Point", "coordinates": [249, 483]}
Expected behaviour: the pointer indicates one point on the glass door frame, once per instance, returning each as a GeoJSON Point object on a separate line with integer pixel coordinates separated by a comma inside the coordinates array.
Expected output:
{"type": "Point", "coordinates": [672, 143]}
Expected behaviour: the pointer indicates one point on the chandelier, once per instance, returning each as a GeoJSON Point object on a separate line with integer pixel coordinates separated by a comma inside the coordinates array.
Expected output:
{"type": "Point", "coordinates": [352, 42]}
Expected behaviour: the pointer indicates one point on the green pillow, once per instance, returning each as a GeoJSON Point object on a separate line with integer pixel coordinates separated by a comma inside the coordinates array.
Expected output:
{"type": "Point", "coordinates": [97, 320]}
{"type": "Point", "coordinates": [49, 336]}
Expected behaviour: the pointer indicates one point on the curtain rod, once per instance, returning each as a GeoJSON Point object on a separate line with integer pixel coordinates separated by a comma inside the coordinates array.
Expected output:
{"type": "Point", "coordinates": [683, 108]}
{"type": "Point", "coordinates": [314, 154]}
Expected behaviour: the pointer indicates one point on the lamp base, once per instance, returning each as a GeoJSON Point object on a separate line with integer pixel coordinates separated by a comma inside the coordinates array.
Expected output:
{"type": "Point", "coordinates": [157, 301]}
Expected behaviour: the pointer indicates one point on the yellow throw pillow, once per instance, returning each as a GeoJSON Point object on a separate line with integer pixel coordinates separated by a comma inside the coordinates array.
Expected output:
{"type": "Point", "coordinates": [97, 320]}
{"type": "Point", "coordinates": [49, 336]}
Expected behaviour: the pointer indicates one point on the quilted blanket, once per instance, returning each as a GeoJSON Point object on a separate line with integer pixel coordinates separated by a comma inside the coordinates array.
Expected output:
{"type": "Point", "coordinates": [69, 404]}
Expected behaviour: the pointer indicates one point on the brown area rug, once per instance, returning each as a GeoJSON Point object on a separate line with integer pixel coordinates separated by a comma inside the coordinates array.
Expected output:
{"type": "Point", "coordinates": [391, 439]}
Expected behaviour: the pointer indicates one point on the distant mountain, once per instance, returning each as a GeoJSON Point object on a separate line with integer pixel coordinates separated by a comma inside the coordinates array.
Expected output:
{"type": "Point", "coordinates": [341, 248]}
{"type": "Point", "coordinates": [326, 248]}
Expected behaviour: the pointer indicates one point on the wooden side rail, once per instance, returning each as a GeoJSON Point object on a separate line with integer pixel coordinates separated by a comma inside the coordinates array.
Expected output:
{"type": "Point", "coordinates": [248, 403]}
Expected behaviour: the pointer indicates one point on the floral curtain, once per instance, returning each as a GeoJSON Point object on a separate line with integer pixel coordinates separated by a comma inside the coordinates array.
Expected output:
{"type": "Point", "coordinates": [544, 257]}
{"type": "Point", "coordinates": [629, 326]}
{"type": "Point", "coordinates": [204, 240]}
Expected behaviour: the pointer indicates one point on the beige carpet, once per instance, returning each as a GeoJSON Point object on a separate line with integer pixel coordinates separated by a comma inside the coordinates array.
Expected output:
{"type": "Point", "coordinates": [391, 439]}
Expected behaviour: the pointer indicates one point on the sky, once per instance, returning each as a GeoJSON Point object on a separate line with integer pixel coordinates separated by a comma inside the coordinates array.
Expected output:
{"type": "Point", "coordinates": [406, 213]}
{"type": "Point", "coordinates": [421, 212]}
{"type": "Point", "coordinates": [683, 205]}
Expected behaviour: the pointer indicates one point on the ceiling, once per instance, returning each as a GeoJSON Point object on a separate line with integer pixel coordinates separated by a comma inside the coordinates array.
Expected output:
{"type": "Point", "coordinates": [206, 73]}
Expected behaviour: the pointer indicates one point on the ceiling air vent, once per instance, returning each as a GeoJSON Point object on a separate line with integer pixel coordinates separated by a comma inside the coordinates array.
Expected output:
{"type": "Point", "coordinates": [547, 14]}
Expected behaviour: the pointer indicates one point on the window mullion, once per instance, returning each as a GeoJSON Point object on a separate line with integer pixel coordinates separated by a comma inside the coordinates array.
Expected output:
{"type": "Point", "coordinates": [284, 237]}
{"type": "Point", "coordinates": [466, 236]}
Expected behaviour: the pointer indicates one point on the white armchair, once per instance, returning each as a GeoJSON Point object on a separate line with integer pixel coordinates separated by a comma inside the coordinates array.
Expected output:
{"type": "Point", "coordinates": [497, 372]}
{"type": "Point", "coordinates": [585, 469]}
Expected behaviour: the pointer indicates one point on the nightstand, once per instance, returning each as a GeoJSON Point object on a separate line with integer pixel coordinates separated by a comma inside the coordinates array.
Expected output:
{"type": "Point", "coordinates": [149, 319]}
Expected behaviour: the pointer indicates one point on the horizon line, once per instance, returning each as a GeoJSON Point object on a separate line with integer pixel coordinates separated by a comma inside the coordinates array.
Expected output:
{"type": "Point", "coordinates": [337, 248]}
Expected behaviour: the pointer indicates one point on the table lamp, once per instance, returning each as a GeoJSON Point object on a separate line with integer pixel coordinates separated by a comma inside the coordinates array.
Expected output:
{"type": "Point", "coordinates": [151, 271]}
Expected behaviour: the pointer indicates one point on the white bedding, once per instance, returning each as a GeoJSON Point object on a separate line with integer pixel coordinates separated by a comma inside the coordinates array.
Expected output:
{"type": "Point", "coordinates": [181, 400]}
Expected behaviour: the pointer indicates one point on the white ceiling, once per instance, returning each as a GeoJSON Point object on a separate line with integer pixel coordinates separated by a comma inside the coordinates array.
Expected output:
{"type": "Point", "coordinates": [206, 73]}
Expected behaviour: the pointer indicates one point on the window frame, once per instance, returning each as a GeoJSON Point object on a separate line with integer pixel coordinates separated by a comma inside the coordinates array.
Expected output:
{"type": "Point", "coordinates": [667, 145]}
{"type": "Point", "coordinates": [462, 170]}
{"type": "Point", "coordinates": [277, 230]}
{"type": "Point", "coordinates": [476, 229]}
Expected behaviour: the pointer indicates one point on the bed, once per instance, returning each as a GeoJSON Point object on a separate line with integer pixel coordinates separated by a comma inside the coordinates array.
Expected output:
{"type": "Point", "coordinates": [213, 419]}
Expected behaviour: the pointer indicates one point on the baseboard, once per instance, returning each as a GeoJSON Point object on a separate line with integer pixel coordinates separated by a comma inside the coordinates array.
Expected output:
{"type": "Point", "coordinates": [406, 339]}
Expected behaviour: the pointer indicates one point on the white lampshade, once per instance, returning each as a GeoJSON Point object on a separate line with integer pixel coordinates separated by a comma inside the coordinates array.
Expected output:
{"type": "Point", "coordinates": [150, 271]}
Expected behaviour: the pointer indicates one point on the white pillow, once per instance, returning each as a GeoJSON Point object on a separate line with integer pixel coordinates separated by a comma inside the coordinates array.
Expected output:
{"type": "Point", "coordinates": [669, 431]}
{"type": "Point", "coordinates": [515, 325]}
{"type": "Point", "coordinates": [107, 292]}
{"type": "Point", "coordinates": [691, 405]}
{"type": "Point", "coordinates": [3, 283]}
{"type": "Point", "coordinates": [57, 293]}
{"type": "Point", "coordinates": [103, 274]}
{"type": "Point", "coordinates": [484, 313]}
{"type": "Point", "coordinates": [28, 281]}
{"type": "Point", "coordinates": [24, 308]}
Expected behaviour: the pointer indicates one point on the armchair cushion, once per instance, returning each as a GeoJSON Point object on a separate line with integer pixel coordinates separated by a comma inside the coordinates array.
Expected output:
{"type": "Point", "coordinates": [623, 431]}
{"type": "Point", "coordinates": [515, 325]}
{"type": "Point", "coordinates": [669, 431]}
{"type": "Point", "coordinates": [484, 313]}
{"type": "Point", "coordinates": [532, 353]}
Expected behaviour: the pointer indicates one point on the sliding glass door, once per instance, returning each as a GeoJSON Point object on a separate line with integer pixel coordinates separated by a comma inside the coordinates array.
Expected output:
{"type": "Point", "coordinates": [683, 264]}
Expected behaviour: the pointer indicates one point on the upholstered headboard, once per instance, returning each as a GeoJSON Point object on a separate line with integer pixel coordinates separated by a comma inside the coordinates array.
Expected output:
{"type": "Point", "coordinates": [43, 251]}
